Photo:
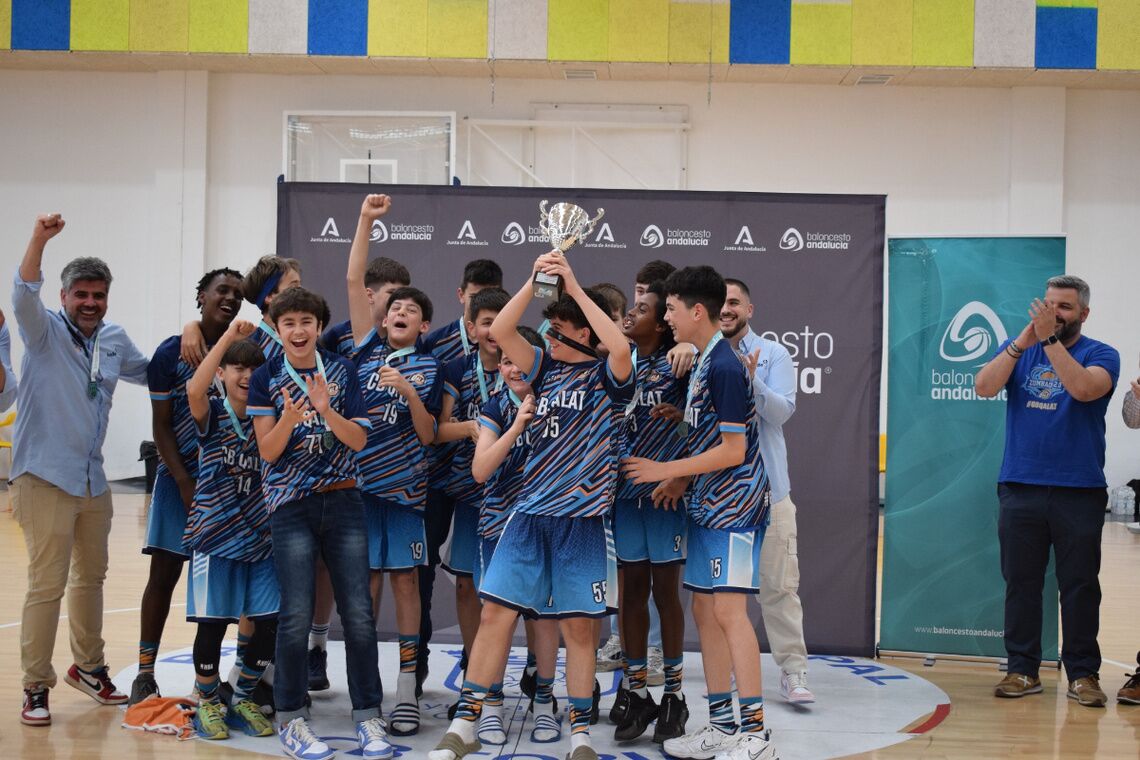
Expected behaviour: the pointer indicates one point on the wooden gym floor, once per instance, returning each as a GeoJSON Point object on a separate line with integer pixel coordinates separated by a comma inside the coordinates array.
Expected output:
{"type": "Point", "coordinates": [978, 726]}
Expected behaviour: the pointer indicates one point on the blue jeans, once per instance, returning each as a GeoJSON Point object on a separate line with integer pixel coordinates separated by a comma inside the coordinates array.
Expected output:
{"type": "Point", "coordinates": [1033, 520]}
{"type": "Point", "coordinates": [331, 523]}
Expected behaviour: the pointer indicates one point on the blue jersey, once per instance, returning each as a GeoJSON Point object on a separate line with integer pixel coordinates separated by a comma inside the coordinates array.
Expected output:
{"type": "Point", "coordinates": [229, 518]}
{"type": "Point", "coordinates": [736, 498]}
{"type": "Point", "coordinates": [338, 339]}
{"type": "Point", "coordinates": [447, 343]}
{"type": "Point", "coordinates": [314, 458]}
{"type": "Point", "coordinates": [505, 484]}
{"type": "Point", "coordinates": [462, 384]}
{"type": "Point", "coordinates": [575, 438]}
{"type": "Point", "coordinates": [393, 464]}
{"type": "Point", "coordinates": [166, 377]}
{"type": "Point", "coordinates": [268, 342]}
{"type": "Point", "coordinates": [1040, 412]}
{"type": "Point", "coordinates": [645, 436]}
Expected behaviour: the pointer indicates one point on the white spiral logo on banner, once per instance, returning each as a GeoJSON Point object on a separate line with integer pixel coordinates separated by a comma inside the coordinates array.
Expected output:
{"type": "Point", "coordinates": [652, 237]}
{"type": "Point", "coordinates": [792, 240]}
{"type": "Point", "coordinates": [963, 342]}
{"type": "Point", "coordinates": [514, 234]}
{"type": "Point", "coordinates": [379, 232]}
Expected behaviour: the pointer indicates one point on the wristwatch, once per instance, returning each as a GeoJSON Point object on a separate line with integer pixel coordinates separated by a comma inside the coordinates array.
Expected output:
{"type": "Point", "coordinates": [1050, 340]}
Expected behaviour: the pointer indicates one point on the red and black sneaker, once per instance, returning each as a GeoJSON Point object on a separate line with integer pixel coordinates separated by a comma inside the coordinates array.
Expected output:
{"type": "Point", "coordinates": [35, 712]}
{"type": "Point", "coordinates": [96, 684]}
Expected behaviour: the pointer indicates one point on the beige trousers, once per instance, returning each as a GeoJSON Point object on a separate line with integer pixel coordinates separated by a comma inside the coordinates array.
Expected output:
{"type": "Point", "coordinates": [66, 537]}
{"type": "Point", "coordinates": [779, 586]}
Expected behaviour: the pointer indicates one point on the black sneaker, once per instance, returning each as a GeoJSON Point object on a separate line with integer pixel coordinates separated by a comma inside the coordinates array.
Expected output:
{"type": "Point", "coordinates": [262, 696]}
{"type": "Point", "coordinates": [143, 686]}
{"type": "Point", "coordinates": [642, 711]}
{"type": "Point", "coordinates": [318, 669]}
{"type": "Point", "coordinates": [621, 706]}
{"type": "Point", "coordinates": [528, 684]}
{"type": "Point", "coordinates": [671, 718]}
{"type": "Point", "coordinates": [596, 708]}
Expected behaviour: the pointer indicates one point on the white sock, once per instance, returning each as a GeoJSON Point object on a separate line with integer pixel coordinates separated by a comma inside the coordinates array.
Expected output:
{"type": "Point", "coordinates": [464, 728]}
{"type": "Point", "coordinates": [406, 688]}
{"type": "Point", "coordinates": [580, 739]}
{"type": "Point", "coordinates": [321, 639]}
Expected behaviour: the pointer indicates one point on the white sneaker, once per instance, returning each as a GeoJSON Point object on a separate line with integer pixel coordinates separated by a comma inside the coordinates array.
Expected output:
{"type": "Point", "coordinates": [373, 738]}
{"type": "Point", "coordinates": [753, 747]}
{"type": "Point", "coordinates": [655, 667]}
{"type": "Point", "coordinates": [700, 745]}
{"type": "Point", "coordinates": [300, 743]}
{"type": "Point", "coordinates": [610, 656]}
{"type": "Point", "coordinates": [794, 689]}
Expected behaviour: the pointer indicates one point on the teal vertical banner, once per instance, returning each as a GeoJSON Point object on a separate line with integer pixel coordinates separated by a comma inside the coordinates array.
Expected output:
{"type": "Point", "coordinates": [953, 301]}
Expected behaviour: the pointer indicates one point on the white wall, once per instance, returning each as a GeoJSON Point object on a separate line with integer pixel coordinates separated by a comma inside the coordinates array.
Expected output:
{"type": "Point", "coordinates": [167, 174]}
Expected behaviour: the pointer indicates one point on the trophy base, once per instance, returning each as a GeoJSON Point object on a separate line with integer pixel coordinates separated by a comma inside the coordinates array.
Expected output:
{"type": "Point", "coordinates": [546, 288]}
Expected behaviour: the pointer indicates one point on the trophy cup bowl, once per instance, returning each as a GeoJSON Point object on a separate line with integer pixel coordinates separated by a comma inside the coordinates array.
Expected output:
{"type": "Point", "coordinates": [564, 224]}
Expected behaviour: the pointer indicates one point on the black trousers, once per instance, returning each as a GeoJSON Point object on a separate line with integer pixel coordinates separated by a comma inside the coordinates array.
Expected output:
{"type": "Point", "coordinates": [1034, 519]}
{"type": "Point", "coordinates": [437, 524]}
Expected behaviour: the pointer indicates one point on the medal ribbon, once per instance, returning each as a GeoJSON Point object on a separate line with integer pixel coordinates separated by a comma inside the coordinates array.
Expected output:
{"type": "Point", "coordinates": [234, 420]}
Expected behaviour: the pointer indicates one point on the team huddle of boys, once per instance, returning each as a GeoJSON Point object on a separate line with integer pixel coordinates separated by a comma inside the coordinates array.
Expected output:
{"type": "Point", "coordinates": [301, 468]}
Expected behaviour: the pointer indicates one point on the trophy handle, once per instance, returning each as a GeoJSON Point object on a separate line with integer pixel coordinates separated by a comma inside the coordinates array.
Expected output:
{"type": "Point", "coordinates": [542, 219]}
{"type": "Point", "coordinates": [593, 222]}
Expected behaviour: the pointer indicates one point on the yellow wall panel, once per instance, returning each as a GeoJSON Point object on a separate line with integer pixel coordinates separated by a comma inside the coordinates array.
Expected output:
{"type": "Point", "coordinates": [1118, 35]}
{"type": "Point", "coordinates": [882, 32]}
{"type": "Point", "coordinates": [578, 30]}
{"type": "Point", "coordinates": [5, 24]}
{"type": "Point", "coordinates": [943, 32]}
{"type": "Point", "coordinates": [219, 26]}
{"type": "Point", "coordinates": [689, 25]}
{"type": "Point", "coordinates": [160, 26]}
{"type": "Point", "coordinates": [457, 28]}
{"type": "Point", "coordinates": [100, 24]}
{"type": "Point", "coordinates": [821, 34]}
{"type": "Point", "coordinates": [398, 28]}
{"type": "Point", "coordinates": [639, 30]}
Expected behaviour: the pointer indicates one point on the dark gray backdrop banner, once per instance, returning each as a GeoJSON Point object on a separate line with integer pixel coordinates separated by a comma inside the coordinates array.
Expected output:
{"type": "Point", "coordinates": [814, 264]}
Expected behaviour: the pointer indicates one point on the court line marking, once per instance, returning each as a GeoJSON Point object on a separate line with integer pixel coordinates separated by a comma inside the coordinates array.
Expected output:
{"type": "Point", "coordinates": [105, 612]}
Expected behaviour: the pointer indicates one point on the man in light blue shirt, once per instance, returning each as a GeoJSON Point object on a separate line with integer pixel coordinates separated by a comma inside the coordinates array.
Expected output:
{"type": "Point", "coordinates": [774, 385]}
{"type": "Point", "coordinates": [72, 363]}
{"type": "Point", "coordinates": [8, 384]}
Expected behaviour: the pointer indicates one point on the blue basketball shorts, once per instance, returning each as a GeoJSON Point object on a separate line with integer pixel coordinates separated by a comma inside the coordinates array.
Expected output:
{"type": "Point", "coordinates": [723, 560]}
{"type": "Point", "coordinates": [396, 537]}
{"type": "Point", "coordinates": [645, 533]}
{"type": "Point", "coordinates": [560, 567]}
{"type": "Point", "coordinates": [222, 590]}
{"type": "Point", "coordinates": [166, 521]}
{"type": "Point", "coordinates": [463, 554]}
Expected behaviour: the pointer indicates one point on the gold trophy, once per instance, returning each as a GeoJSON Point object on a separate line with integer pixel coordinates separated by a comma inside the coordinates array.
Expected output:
{"type": "Point", "coordinates": [564, 224]}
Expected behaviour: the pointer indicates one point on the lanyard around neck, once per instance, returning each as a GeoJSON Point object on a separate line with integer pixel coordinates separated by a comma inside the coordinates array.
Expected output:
{"type": "Point", "coordinates": [271, 333]}
{"type": "Point", "coordinates": [479, 374]}
{"type": "Point", "coordinates": [683, 428]}
{"type": "Point", "coordinates": [398, 353]}
{"type": "Point", "coordinates": [297, 378]}
{"type": "Point", "coordinates": [92, 354]}
{"type": "Point", "coordinates": [463, 336]}
{"type": "Point", "coordinates": [234, 420]}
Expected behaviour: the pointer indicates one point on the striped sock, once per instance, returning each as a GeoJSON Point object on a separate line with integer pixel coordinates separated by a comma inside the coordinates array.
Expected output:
{"type": "Point", "coordinates": [409, 653]}
{"type": "Point", "coordinates": [471, 699]}
{"type": "Point", "coordinates": [148, 653]}
{"type": "Point", "coordinates": [720, 712]}
{"type": "Point", "coordinates": [674, 668]}
{"type": "Point", "coordinates": [208, 690]}
{"type": "Point", "coordinates": [544, 691]}
{"type": "Point", "coordinates": [319, 636]}
{"type": "Point", "coordinates": [494, 695]}
{"type": "Point", "coordinates": [580, 708]}
{"type": "Point", "coordinates": [751, 714]}
{"type": "Point", "coordinates": [247, 681]}
{"type": "Point", "coordinates": [637, 672]}
{"type": "Point", "coordinates": [242, 643]}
